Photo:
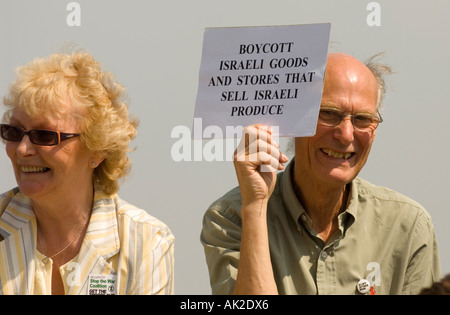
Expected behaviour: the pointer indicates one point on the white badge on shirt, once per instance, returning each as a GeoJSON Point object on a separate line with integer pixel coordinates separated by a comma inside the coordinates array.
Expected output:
{"type": "Point", "coordinates": [102, 284]}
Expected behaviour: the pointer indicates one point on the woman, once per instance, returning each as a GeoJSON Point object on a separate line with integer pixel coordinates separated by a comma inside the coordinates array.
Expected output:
{"type": "Point", "coordinates": [64, 230]}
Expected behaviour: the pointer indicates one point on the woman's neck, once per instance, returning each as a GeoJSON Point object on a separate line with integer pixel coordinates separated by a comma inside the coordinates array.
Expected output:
{"type": "Point", "coordinates": [62, 221]}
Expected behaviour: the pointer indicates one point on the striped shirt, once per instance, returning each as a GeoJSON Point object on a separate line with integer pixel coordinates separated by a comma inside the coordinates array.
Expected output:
{"type": "Point", "coordinates": [124, 251]}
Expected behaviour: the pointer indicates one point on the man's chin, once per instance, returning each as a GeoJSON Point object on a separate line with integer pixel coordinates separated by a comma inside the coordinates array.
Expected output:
{"type": "Point", "coordinates": [341, 177]}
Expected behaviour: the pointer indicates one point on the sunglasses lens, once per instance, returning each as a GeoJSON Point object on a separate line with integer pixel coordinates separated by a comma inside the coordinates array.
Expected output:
{"type": "Point", "coordinates": [11, 133]}
{"type": "Point", "coordinates": [43, 137]}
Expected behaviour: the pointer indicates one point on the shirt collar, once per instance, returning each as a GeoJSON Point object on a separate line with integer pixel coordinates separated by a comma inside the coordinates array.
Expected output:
{"type": "Point", "coordinates": [102, 230]}
{"type": "Point", "coordinates": [296, 210]}
{"type": "Point", "coordinates": [18, 228]}
{"type": "Point", "coordinates": [290, 199]}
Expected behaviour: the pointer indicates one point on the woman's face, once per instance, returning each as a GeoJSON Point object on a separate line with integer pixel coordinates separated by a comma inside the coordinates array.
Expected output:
{"type": "Point", "coordinates": [46, 172]}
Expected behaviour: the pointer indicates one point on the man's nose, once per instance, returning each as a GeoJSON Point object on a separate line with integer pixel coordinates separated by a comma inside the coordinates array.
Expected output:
{"type": "Point", "coordinates": [345, 131]}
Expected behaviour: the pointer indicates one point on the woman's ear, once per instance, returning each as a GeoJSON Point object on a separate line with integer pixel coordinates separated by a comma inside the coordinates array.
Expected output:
{"type": "Point", "coordinates": [96, 159]}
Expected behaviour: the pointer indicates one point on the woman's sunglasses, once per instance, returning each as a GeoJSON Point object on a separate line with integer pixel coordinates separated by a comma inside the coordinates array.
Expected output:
{"type": "Point", "coordinates": [39, 137]}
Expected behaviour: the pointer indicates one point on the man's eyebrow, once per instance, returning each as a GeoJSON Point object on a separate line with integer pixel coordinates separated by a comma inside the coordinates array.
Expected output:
{"type": "Point", "coordinates": [329, 105]}
{"type": "Point", "coordinates": [364, 111]}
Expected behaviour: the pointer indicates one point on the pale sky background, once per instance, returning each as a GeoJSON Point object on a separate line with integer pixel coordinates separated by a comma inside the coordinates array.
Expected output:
{"type": "Point", "coordinates": [154, 49]}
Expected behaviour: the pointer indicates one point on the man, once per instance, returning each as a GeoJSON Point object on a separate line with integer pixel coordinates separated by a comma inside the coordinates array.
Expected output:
{"type": "Point", "coordinates": [317, 228]}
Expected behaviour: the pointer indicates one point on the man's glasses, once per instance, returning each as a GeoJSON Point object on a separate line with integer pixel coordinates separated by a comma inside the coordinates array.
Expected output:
{"type": "Point", "coordinates": [39, 137]}
{"type": "Point", "coordinates": [364, 122]}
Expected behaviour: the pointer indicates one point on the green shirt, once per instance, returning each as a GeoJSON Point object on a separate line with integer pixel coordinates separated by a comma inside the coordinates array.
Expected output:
{"type": "Point", "coordinates": [383, 237]}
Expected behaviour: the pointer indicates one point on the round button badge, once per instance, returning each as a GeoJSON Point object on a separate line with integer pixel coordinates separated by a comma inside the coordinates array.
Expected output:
{"type": "Point", "coordinates": [363, 286]}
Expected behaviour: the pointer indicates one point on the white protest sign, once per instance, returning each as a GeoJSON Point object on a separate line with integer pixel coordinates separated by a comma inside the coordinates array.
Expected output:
{"type": "Point", "coordinates": [271, 75]}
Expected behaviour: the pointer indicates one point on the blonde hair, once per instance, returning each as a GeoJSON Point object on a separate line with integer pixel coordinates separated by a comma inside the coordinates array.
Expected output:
{"type": "Point", "coordinates": [95, 100]}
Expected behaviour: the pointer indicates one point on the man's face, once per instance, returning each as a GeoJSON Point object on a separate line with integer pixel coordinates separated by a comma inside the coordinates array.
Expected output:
{"type": "Point", "coordinates": [335, 155]}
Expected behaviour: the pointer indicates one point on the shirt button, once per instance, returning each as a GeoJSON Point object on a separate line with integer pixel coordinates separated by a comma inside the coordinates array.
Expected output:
{"type": "Point", "coordinates": [323, 255]}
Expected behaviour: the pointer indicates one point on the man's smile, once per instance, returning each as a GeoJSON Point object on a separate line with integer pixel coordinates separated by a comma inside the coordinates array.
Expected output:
{"type": "Point", "coordinates": [337, 155]}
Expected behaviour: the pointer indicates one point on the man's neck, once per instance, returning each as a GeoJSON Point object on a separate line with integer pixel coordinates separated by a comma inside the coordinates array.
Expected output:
{"type": "Point", "coordinates": [322, 202]}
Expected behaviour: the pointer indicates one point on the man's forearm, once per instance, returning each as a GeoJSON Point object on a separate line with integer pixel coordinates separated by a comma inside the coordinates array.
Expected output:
{"type": "Point", "coordinates": [255, 273]}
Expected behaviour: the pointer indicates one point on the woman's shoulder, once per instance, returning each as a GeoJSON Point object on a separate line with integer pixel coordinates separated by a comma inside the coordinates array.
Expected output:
{"type": "Point", "coordinates": [5, 198]}
{"type": "Point", "coordinates": [130, 216]}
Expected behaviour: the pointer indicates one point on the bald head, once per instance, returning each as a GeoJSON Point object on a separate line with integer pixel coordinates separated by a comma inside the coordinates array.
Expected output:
{"type": "Point", "coordinates": [346, 72]}
{"type": "Point", "coordinates": [347, 64]}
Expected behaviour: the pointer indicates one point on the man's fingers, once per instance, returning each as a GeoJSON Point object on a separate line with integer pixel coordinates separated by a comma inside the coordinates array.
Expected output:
{"type": "Point", "coordinates": [257, 138]}
{"type": "Point", "coordinates": [250, 153]}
